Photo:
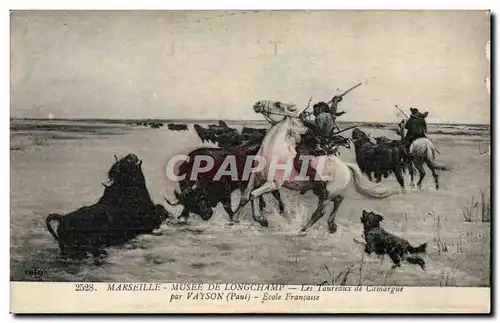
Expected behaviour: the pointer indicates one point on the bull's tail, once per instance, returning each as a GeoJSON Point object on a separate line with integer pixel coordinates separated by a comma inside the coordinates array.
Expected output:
{"type": "Point", "coordinates": [50, 218]}
{"type": "Point", "coordinates": [367, 188]}
{"type": "Point", "coordinates": [431, 159]}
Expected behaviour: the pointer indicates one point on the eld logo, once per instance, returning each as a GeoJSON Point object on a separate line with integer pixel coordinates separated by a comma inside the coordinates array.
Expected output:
{"type": "Point", "coordinates": [34, 272]}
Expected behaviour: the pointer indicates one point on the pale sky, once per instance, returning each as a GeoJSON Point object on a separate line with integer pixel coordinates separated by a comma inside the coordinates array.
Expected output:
{"type": "Point", "coordinates": [122, 64]}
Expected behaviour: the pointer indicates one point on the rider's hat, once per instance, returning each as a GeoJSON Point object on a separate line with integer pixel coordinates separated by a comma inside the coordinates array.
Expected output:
{"type": "Point", "coordinates": [321, 106]}
{"type": "Point", "coordinates": [414, 111]}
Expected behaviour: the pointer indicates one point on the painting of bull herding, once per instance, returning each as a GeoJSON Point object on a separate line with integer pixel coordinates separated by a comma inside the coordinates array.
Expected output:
{"type": "Point", "coordinates": [394, 107]}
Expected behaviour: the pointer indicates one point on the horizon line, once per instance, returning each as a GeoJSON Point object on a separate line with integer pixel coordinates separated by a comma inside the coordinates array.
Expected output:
{"type": "Point", "coordinates": [215, 119]}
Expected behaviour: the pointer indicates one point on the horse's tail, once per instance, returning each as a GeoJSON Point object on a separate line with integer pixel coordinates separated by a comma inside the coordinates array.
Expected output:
{"type": "Point", "coordinates": [431, 158]}
{"type": "Point", "coordinates": [367, 188]}
{"type": "Point", "coordinates": [50, 218]}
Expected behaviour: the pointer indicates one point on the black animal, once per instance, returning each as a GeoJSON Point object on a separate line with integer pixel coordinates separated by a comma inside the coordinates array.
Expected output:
{"type": "Point", "coordinates": [380, 159]}
{"type": "Point", "coordinates": [248, 133]}
{"type": "Point", "coordinates": [177, 127]}
{"type": "Point", "coordinates": [408, 164]}
{"type": "Point", "coordinates": [384, 140]}
{"type": "Point", "coordinates": [203, 194]}
{"type": "Point", "coordinates": [384, 243]}
{"type": "Point", "coordinates": [221, 124]}
{"type": "Point", "coordinates": [224, 137]}
{"type": "Point", "coordinates": [247, 130]}
{"type": "Point", "coordinates": [124, 211]}
{"type": "Point", "coordinates": [202, 133]}
{"type": "Point", "coordinates": [156, 125]}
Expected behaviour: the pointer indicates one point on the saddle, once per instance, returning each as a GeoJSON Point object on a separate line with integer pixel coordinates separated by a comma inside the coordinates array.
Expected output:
{"type": "Point", "coordinates": [314, 148]}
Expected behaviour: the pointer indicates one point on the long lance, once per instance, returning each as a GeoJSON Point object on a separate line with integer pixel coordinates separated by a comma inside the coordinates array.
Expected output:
{"type": "Point", "coordinates": [401, 111]}
{"type": "Point", "coordinates": [347, 91]}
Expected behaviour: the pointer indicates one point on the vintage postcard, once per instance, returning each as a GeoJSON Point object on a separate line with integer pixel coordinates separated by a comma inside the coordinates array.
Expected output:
{"type": "Point", "coordinates": [250, 161]}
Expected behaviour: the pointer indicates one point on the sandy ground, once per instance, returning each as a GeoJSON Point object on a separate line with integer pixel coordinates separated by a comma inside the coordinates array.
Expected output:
{"type": "Point", "coordinates": [52, 171]}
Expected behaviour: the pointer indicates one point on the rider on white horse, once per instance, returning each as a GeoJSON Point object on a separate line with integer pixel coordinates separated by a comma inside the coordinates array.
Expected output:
{"type": "Point", "coordinates": [323, 126]}
{"type": "Point", "coordinates": [416, 127]}
{"type": "Point", "coordinates": [279, 146]}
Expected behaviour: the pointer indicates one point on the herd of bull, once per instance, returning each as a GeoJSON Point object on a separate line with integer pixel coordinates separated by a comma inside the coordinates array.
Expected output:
{"type": "Point", "coordinates": [126, 209]}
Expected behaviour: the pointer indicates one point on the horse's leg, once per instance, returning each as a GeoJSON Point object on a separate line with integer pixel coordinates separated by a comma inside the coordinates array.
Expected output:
{"type": "Point", "coordinates": [184, 216]}
{"type": "Point", "coordinates": [226, 204]}
{"type": "Point", "coordinates": [266, 188]}
{"type": "Point", "coordinates": [262, 203]}
{"type": "Point", "coordinates": [245, 197]}
{"type": "Point", "coordinates": [411, 170]}
{"type": "Point", "coordinates": [434, 174]}
{"type": "Point", "coordinates": [256, 214]}
{"type": "Point", "coordinates": [318, 213]}
{"type": "Point", "coordinates": [332, 226]}
{"type": "Point", "coordinates": [277, 196]}
{"type": "Point", "coordinates": [399, 177]}
{"type": "Point", "coordinates": [421, 171]}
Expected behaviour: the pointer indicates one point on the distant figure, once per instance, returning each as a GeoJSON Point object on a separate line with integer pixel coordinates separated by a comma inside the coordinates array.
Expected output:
{"type": "Point", "coordinates": [416, 127]}
{"type": "Point", "coordinates": [177, 126]}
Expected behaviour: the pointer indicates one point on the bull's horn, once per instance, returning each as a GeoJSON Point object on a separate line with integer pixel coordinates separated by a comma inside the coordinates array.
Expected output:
{"type": "Point", "coordinates": [116, 158]}
{"type": "Point", "coordinates": [174, 203]}
{"type": "Point", "coordinates": [108, 184]}
{"type": "Point", "coordinates": [188, 190]}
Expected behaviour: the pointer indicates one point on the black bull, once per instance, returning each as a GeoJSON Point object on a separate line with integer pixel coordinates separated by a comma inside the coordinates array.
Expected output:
{"type": "Point", "coordinates": [124, 211]}
{"type": "Point", "coordinates": [382, 158]}
{"type": "Point", "coordinates": [226, 137]}
{"type": "Point", "coordinates": [201, 195]}
{"type": "Point", "coordinates": [177, 126]}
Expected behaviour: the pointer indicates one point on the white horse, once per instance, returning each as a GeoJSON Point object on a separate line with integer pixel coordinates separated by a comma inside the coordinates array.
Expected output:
{"type": "Point", "coordinates": [279, 144]}
{"type": "Point", "coordinates": [423, 151]}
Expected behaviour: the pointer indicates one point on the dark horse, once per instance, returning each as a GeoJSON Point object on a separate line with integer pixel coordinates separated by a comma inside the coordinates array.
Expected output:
{"type": "Point", "coordinates": [201, 195]}
{"type": "Point", "coordinates": [124, 211]}
{"type": "Point", "coordinates": [380, 159]}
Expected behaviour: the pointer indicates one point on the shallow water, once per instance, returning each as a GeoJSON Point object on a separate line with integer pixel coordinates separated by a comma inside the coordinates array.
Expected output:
{"type": "Point", "coordinates": [56, 172]}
